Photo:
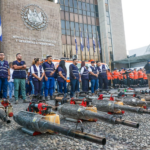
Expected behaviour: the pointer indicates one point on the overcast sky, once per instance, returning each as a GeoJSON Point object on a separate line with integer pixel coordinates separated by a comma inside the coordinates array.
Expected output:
{"type": "Point", "coordinates": [137, 23]}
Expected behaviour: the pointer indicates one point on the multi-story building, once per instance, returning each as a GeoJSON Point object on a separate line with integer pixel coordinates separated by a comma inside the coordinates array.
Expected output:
{"type": "Point", "coordinates": [101, 18]}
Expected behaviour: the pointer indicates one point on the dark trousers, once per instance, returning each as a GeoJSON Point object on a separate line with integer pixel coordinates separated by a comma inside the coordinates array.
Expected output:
{"type": "Point", "coordinates": [125, 81]}
{"type": "Point", "coordinates": [74, 86]}
{"type": "Point", "coordinates": [135, 81]}
{"type": "Point", "coordinates": [37, 87]}
{"type": "Point", "coordinates": [141, 81]}
{"type": "Point", "coordinates": [109, 82]}
{"type": "Point", "coordinates": [61, 86]}
{"type": "Point", "coordinates": [131, 81]}
{"type": "Point", "coordinates": [103, 80]}
{"type": "Point", "coordinates": [85, 85]}
{"type": "Point", "coordinates": [3, 86]}
{"type": "Point", "coordinates": [145, 81]}
{"type": "Point", "coordinates": [115, 81]}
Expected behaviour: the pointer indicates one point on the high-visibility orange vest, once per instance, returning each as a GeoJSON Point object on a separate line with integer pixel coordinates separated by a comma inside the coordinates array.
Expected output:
{"type": "Point", "coordinates": [140, 74]}
{"type": "Point", "coordinates": [131, 75]}
{"type": "Point", "coordinates": [115, 75]}
{"type": "Point", "coordinates": [144, 76]}
{"type": "Point", "coordinates": [109, 75]}
{"type": "Point", "coordinates": [135, 75]}
{"type": "Point", "coordinates": [121, 75]}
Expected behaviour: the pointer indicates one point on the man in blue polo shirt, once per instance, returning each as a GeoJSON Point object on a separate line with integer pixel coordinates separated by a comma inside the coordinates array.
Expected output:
{"type": "Point", "coordinates": [4, 75]}
{"type": "Point", "coordinates": [19, 76]}
{"type": "Point", "coordinates": [49, 69]}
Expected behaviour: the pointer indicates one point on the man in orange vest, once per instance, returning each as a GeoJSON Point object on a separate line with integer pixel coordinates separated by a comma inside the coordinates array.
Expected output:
{"type": "Point", "coordinates": [135, 77]}
{"type": "Point", "coordinates": [115, 74]}
{"type": "Point", "coordinates": [122, 77]}
{"type": "Point", "coordinates": [131, 78]}
{"type": "Point", "coordinates": [109, 77]}
{"type": "Point", "coordinates": [145, 80]}
{"type": "Point", "coordinates": [140, 76]}
{"type": "Point", "coordinates": [125, 77]}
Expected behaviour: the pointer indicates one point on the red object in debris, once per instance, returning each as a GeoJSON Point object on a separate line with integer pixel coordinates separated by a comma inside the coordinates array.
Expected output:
{"type": "Point", "coordinates": [111, 98]}
{"type": "Point", "coordinates": [100, 97]}
{"type": "Point", "coordinates": [84, 103]}
{"type": "Point", "coordinates": [72, 102]}
{"type": "Point", "coordinates": [36, 133]}
{"type": "Point", "coordinates": [110, 113]}
{"type": "Point", "coordinates": [134, 95]}
{"type": "Point", "coordinates": [5, 104]}
{"type": "Point", "coordinates": [122, 111]}
{"type": "Point", "coordinates": [40, 108]}
{"type": "Point", "coordinates": [123, 95]}
{"type": "Point", "coordinates": [11, 114]}
{"type": "Point", "coordinates": [144, 107]}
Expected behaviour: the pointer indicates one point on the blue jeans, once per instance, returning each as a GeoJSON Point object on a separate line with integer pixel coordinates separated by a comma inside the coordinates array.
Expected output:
{"type": "Point", "coordinates": [74, 86]}
{"type": "Point", "coordinates": [94, 85]}
{"type": "Point", "coordinates": [42, 89]}
{"type": "Point", "coordinates": [56, 86]}
{"type": "Point", "coordinates": [3, 86]}
{"type": "Point", "coordinates": [11, 89]}
{"type": "Point", "coordinates": [61, 86]}
{"type": "Point", "coordinates": [49, 86]}
{"type": "Point", "coordinates": [32, 92]}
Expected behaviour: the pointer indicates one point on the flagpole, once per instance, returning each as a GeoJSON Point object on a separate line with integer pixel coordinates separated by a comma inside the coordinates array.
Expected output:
{"type": "Point", "coordinates": [98, 50]}
{"type": "Point", "coordinates": [80, 47]}
{"type": "Point", "coordinates": [87, 44]}
{"type": "Point", "coordinates": [93, 45]}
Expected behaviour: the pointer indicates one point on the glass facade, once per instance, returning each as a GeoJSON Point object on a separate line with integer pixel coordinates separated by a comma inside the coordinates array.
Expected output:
{"type": "Point", "coordinates": [75, 16]}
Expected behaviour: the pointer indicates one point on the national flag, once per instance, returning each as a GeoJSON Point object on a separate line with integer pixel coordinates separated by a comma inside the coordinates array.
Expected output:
{"type": "Point", "coordinates": [0, 30]}
{"type": "Point", "coordinates": [99, 45]}
{"type": "Point", "coordinates": [88, 43]}
{"type": "Point", "coordinates": [94, 44]}
{"type": "Point", "coordinates": [81, 43]}
{"type": "Point", "coordinates": [76, 45]}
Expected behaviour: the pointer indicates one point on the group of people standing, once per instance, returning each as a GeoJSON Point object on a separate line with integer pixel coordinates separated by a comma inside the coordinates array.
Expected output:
{"type": "Point", "coordinates": [127, 78]}
{"type": "Point", "coordinates": [42, 77]}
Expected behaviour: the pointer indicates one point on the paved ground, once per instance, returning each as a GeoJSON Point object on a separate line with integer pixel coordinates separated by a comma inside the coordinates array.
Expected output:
{"type": "Point", "coordinates": [118, 137]}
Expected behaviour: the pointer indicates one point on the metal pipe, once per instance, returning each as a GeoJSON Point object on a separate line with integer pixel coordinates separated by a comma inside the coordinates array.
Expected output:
{"type": "Point", "coordinates": [80, 112]}
{"type": "Point", "coordinates": [35, 122]}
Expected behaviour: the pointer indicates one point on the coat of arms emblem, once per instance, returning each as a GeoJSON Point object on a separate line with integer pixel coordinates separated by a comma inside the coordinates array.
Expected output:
{"type": "Point", "coordinates": [34, 17]}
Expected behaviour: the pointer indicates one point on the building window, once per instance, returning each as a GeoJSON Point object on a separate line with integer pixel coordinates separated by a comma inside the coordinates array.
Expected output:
{"type": "Point", "coordinates": [84, 12]}
{"type": "Point", "coordinates": [67, 32]}
{"type": "Point", "coordinates": [67, 25]}
{"type": "Point", "coordinates": [106, 1]}
{"type": "Point", "coordinates": [88, 7]}
{"type": "Point", "coordinates": [94, 29]}
{"type": "Point", "coordinates": [75, 4]}
{"type": "Point", "coordinates": [85, 27]}
{"type": "Point", "coordinates": [63, 31]}
{"type": "Point", "coordinates": [77, 26]}
{"type": "Point", "coordinates": [66, 2]}
{"type": "Point", "coordinates": [92, 7]}
{"type": "Point", "coordinates": [66, 8]}
{"type": "Point", "coordinates": [89, 28]}
{"type": "Point", "coordinates": [76, 11]}
{"type": "Point", "coordinates": [71, 9]}
{"type": "Point", "coordinates": [72, 25]}
{"type": "Point", "coordinates": [88, 13]}
{"type": "Point", "coordinates": [83, 6]}
{"type": "Point", "coordinates": [62, 24]}
{"type": "Point", "coordinates": [62, 2]}
{"type": "Point", "coordinates": [107, 14]}
{"type": "Point", "coordinates": [96, 8]}
{"type": "Point", "coordinates": [70, 3]}
{"type": "Point", "coordinates": [77, 34]}
{"type": "Point", "coordinates": [62, 7]}
{"type": "Point", "coordinates": [92, 14]}
{"type": "Point", "coordinates": [79, 5]}
{"type": "Point", "coordinates": [80, 12]}
{"type": "Point", "coordinates": [81, 26]}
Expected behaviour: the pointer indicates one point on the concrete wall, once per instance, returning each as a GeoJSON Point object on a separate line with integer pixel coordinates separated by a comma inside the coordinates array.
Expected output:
{"type": "Point", "coordinates": [13, 26]}
{"type": "Point", "coordinates": [117, 29]}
